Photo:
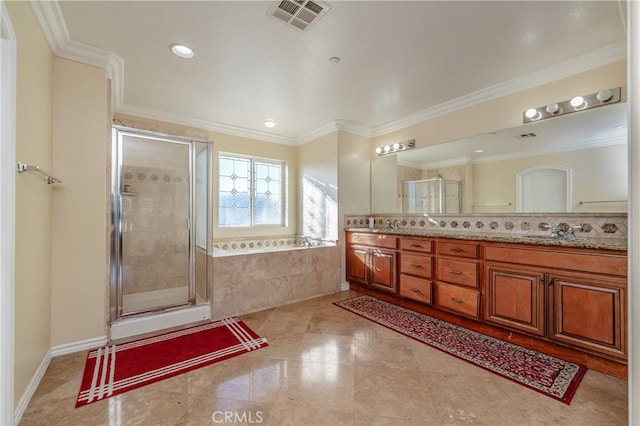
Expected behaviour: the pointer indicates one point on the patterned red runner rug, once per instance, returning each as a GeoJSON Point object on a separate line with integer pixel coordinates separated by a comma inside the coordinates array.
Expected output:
{"type": "Point", "coordinates": [119, 368]}
{"type": "Point", "coordinates": [550, 376]}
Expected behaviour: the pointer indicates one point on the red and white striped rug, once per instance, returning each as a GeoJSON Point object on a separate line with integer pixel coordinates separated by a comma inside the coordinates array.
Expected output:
{"type": "Point", "coordinates": [548, 375]}
{"type": "Point", "coordinates": [118, 368]}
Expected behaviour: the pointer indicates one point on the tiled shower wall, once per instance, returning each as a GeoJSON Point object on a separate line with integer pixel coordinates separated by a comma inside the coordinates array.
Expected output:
{"type": "Point", "coordinates": [155, 239]}
{"type": "Point", "coordinates": [592, 225]}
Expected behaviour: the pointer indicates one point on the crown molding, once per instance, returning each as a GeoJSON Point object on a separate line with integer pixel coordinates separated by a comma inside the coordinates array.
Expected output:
{"type": "Point", "coordinates": [317, 133]}
{"type": "Point", "coordinates": [355, 128]}
{"type": "Point", "coordinates": [590, 60]}
{"type": "Point", "coordinates": [334, 126]}
{"type": "Point", "coordinates": [203, 124]}
{"type": "Point", "coordinates": [54, 28]}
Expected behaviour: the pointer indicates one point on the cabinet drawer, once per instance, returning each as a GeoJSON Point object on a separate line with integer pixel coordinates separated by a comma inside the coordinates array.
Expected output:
{"type": "Point", "coordinates": [416, 264]}
{"type": "Point", "coordinates": [415, 288]}
{"type": "Point", "coordinates": [458, 299]}
{"type": "Point", "coordinates": [377, 240]}
{"type": "Point", "coordinates": [447, 248]}
{"type": "Point", "coordinates": [416, 244]}
{"type": "Point", "coordinates": [613, 264]}
{"type": "Point", "coordinates": [458, 272]}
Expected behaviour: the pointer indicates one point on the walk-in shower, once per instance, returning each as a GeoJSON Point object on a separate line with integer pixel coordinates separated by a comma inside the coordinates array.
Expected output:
{"type": "Point", "coordinates": [160, 216]}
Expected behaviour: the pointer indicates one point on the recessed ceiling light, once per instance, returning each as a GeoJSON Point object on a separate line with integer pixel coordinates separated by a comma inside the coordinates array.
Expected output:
{"type": "Point", "coordinates": [479, 151]}
{"type": "Point", "coordinates": [269, 123]}
{"type": "Point", "coordinates": [182, 51]}
{"type": "Point", "coordinates": [334, 60]}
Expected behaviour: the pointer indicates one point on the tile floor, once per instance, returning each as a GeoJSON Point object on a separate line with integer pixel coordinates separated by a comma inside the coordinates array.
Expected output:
{"type": "Point", "coordinates": [326, 366]}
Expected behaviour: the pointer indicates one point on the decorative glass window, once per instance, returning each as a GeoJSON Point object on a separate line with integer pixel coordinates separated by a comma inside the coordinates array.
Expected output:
{"type": "Point", "coordinates": [251, 191]}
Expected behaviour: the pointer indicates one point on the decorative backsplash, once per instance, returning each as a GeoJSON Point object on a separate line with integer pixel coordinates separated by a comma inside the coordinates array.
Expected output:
{"type": "Point", "coordinates": [592, 225]}
{"type": "Point", "coordinates": [239, 244]}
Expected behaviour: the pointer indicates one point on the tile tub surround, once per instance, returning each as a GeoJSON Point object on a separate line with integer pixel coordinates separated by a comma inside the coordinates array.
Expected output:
{"type": "Point", "coordinates": [253, 279]}
{"type": "Point", "coordinates": [594, 225]}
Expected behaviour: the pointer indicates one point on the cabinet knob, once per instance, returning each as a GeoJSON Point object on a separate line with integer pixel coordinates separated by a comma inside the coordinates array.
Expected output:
{"type": "Point", "coordinates": [415, 265]}
{"type": "Point", "coordinates": [455, 299]}
{"type": "Point", "coordinates": [416, 245]}
{"type": "Point", "coordinates": [455, 272]}
{"type": "Point", "coordinates": [415, 290]}
{"type": "Point", "coordinates": [456, 250]}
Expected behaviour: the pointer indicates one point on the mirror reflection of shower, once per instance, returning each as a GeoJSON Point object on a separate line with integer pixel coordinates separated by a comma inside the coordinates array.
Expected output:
{"type": "Point", "coordinates": [160, 211]}
{"type": "Point", "coordinates": [432, 196]}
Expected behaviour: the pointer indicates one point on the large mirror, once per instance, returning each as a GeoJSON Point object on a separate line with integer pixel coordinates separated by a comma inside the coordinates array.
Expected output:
{"type": "Point", "coordinates": [572, 163]}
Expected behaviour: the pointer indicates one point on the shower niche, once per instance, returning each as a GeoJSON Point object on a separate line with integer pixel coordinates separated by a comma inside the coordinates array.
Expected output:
{"type": "Point", "coordinates": [435, 195]}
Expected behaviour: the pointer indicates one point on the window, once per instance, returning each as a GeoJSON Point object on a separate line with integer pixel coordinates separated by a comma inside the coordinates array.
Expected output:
{"type": "Point", "coordinates": [251, 191]}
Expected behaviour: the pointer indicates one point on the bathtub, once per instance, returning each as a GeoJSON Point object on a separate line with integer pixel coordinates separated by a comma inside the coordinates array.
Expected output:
{"type": "Point", "coordinates": [252, 275]}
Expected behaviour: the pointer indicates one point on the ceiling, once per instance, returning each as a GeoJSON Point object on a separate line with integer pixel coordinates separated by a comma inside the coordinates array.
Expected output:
{"type": "Point", "coordinates": [397, 58]}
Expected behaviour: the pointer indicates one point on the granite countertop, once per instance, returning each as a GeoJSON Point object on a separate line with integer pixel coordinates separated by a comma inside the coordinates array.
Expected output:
{"type": "Point", "coordinates": [541, 240]}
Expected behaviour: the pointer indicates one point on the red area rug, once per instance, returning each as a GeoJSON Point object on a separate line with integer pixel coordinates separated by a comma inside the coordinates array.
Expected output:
{"type": "Point", "coordinates": [550, 376]}
{"type": "Point", "coordinates": [119, 368]}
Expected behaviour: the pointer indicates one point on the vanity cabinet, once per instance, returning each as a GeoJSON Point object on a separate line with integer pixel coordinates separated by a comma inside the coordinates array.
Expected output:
{"type": "Point", "coordinates": [588, 312]}
{"type": "Point", "coordinates": [515, 298]}
{"type": "Point", "coordinates": [571, 301]}
{"type": "Point", "coordinates": [569, 296]}
{"type": "Point", "coordinates": [457, 272]}
{"type": "Point", "coordinates": [371, 260]}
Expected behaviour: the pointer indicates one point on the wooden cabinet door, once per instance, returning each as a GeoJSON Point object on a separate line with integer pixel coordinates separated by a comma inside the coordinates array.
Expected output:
{"type": "Point", "coordinates": [589, 312]}
{"type": "Point", "coordinates": [514, 298]}
{"type": "Point", "coordinates": [383, 270]}
{"type": "Point", "coordinates": [357, 265]}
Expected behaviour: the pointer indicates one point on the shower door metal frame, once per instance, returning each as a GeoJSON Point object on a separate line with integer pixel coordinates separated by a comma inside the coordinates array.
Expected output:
{"type": "Point", "coordinates": [116, 284]}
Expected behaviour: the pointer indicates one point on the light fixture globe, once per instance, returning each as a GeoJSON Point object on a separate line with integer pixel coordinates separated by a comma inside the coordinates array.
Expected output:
{"type": "Point", "coordinates": [604, 95]}
{"type": "Point", "coordinates": [269, 124]}
{"type": "Point", "coordinates": [578, 102]}
{"type": "Point", "coordinates": [553, 108]}
{"type": "Point", "coordinates": [532, 114]}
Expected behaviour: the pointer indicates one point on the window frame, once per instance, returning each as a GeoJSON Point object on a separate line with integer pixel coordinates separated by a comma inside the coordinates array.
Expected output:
{"type": "Point", "coordinates": [252, 189]}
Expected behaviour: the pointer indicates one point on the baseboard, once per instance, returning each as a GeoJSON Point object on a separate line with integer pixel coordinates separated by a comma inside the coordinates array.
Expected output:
{"type": "Point", "coordinates": [65, 349]}
{"type": "Point", "coordinates": [154, 322]}
{"type": "Point", "coordinates": [83, 345]}
{"type": "Point", "coordinates": [344, 286]}
{"type": "Point", "coordinates": [31, 388]}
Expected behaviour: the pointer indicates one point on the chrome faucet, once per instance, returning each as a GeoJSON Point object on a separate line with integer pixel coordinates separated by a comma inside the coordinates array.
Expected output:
{"type": "Point", "coordinates": [393, 225]}
{"type": "Point", "coordinates": [567, 232]}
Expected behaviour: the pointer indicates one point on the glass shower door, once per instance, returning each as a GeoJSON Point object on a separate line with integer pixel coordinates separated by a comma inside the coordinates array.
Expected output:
{"type": "Point", "coordinates": [156, 264]}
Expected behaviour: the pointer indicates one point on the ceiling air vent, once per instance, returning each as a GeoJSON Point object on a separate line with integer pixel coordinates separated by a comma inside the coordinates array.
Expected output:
{"type": "Point", "coordinates": [526, 135]}
{"type": "Point", "coordinates": [299, 13]}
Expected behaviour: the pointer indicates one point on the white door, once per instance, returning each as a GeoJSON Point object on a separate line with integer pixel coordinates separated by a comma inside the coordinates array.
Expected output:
{"type": "Point", "coordinates": [544, 189]}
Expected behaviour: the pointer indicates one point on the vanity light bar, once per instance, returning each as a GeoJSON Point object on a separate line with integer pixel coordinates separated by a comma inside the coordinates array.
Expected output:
{"type": "Point", "coordinates": [398, 146]}
{"type": "Point", "coordinates": [577, 103]}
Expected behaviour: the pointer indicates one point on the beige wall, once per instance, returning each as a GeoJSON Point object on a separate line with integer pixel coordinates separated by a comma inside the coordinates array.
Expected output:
{"type": "Point", "coordinates": [233, 145]}
{"type": "Point", "coordinates": [79, 271]}
{"type": "Point", "coordinates": [354, 170]}
{"type": "Point", "coordinates": [33, 197]}
{"type": "Point", "coordinates": [506, 112]}
{"type": "Point", "coordinates": [596, 174]}
{"type": "Point", "coordinates": [318, 182]}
